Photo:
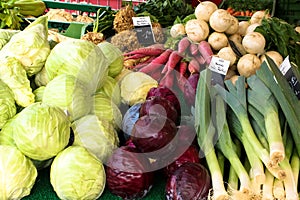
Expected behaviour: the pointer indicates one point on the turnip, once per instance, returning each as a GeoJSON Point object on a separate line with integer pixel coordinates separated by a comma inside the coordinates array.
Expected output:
{"type": "Point", "coordinates": [258, 16]}
{"type": "Point", "coordinates": [252, 27]}
{"type": "Point", "coordinates": [204, 10]}
{"type": "Point", "coordinates": [274, 55]}
{"type": "Point", "coordinates": [248, 64]}
{"type": "Point", "coordinates": [220, 20]}
{"type": "Point", "coordinates": [176, 30]}
{"type": "Point", "coordinates": [297, 29]}
{"type": "Point", "coordinates": [243, 25]}
{"type": "Point", "coordinates": [234, 78]}
{"type": "Point", "coordinates": [217, 40]}
{"type": "Point", "coordinates": [236, 38]}
{"type": "Point", "coordinates": [197, 30]}
{"type": "Point", "coordinates": [254, 43]}
{"type": "Point", "coordinates": [227, 53]}
{"type": "Point", "coordinates": [234, 26]}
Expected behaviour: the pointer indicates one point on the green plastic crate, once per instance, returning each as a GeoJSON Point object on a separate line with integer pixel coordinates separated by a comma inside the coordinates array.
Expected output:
{"type": "Point", "coordinates": [289, 10]}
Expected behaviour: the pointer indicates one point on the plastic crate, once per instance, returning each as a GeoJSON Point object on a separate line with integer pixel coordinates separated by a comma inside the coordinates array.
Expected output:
{"type": "Point", "coordinates": [289, 10]}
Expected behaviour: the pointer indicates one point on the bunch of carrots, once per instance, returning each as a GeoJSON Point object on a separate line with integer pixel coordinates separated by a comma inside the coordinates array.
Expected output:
{"type": "Point", "coordinates": [243, 13]}
{"type": "Point", "coordinates": [170, 67]}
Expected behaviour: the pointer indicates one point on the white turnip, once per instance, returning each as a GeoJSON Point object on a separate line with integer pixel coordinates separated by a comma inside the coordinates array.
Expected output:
{"type": "Point", "coordinates": [220, 20]}
{"type": "Point", "coordinates": [234, 26]}
{"type": "Point", "coordinates": [274, 55]}
{"type": "Point", "coordinates": [204, 10]}
{"type": "Point", "coordinates": [197, 30]}
{"type": "Point", "coordinates": [236, 38]}
{"type": "Point", "coordinates": [252, 27]}
{"type": "Point", "coordinates": [248, 64]}
{"type": "Point", "coordinates": [227, 53]}
{"type": "Point", "coordinates": [254, 43]}
{"type": "Point", "coordinates": [217, 40]}
{"type": "Point", "coordinates": [176, 30]}
{"type": "Point", "coordinates": [243, 25]}
{"type": "Point", "coordinates": [258, 16]}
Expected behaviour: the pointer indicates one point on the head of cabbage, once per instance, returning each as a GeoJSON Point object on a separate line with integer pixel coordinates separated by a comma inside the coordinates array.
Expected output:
{"type": "Point", "coordinates": [42, 131]}
{"type": "Point", "coordinates": [111, 89]}
{"type": "Point", "coordinates": [80, 58]}
{"type": "Point", "coordinates": [7, 104]}
{"type": "Point", "coordinates": [77, 174]}
{"type": "Point", "coordinates": [18, 174]}
{"type": "Point", "coordinates": [70, 94]}
{"type": "Point", "coordinates": [97, 136]}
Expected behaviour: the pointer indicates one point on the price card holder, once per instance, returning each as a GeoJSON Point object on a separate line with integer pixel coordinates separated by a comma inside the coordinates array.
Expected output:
{"type": "Point", "coordinates": [287, 71]}
{"type": "Point", "coordinates": [143, 28]}
{"type": "Point", "coordinates": [219, 68]}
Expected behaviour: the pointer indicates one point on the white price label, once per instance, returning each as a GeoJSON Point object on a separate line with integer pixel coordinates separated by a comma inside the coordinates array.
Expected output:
{"type": "Point", "coordinates": [285, 66]}
{"type": "Point", "coordinates": [219, 65]}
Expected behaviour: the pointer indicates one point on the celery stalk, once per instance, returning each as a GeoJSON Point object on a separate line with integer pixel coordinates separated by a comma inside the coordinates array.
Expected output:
{"type": "Point", "coordinates": [285, 96]}
{"type": "Point", "coordinates": [236, 99]}
{"type": "Point", "coordinates": [260, 97]}
{"type": "Point", "coordinates": [206, 132]}
{"type": "Point", "coordinates": [225, 145]}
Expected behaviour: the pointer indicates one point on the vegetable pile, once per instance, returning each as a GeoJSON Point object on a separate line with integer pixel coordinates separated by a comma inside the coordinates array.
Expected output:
{"type": "Point", "coordinates": [207, 107]}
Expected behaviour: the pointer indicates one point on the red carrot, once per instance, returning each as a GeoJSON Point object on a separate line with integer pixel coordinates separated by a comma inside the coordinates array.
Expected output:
{"type": "Point", "coordinates": [156, 75]}
{"type": "Point", "coordinates": [157, 62]}
{"type": "Point", "coordinates": [134, 56]}
{"type": "Point", "coordinates": [147, 51]}
{"type": "Point", "coordinates": [205, 50]}
{"type": "Point", "coordinates": [181, 80]}
{"type": "Point", "coordinates": [193, 66]}
{"type": "Point", "coordinates": [167, 80]}
{"type": "Point", "coordinates": [174, 58]}
{"type": "Point", "coordinates": [182, 68]}
{"type": "Point", "coordinates": [194, 49]}
{"type": "Point", "coordinates": [183, 45]}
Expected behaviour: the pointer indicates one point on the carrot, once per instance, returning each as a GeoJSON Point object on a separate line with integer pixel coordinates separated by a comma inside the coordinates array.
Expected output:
{"type": "Point", "coordinates": [193, 66]}
{"type": "Point", "coordinates": [242, 13]}
{"type": "Point", "coordinates": [182, 68]}
{"type": "Point", "coordinates": [180, 81]}
{"type": "Point", "coordinates": [230, 10]}
{"type": "Point", "coordinates": [194, 49]}
{"type": "Point", "coordinates": [156, 74]}
{"type": "Point", "coordinates": [205, 51]}
{"type": "Point", "coordinates": [183, 45]}
{"type": "Point", "coordinates": [147, 51]}
{"type": "Point", "coordinates": [237, 13]}
{"type": "Point", "coordinates": [168, 79]}
{"type": "Point", "coordinates": [247, 13]}
{"type": "Point", "coordinates": [134, 56]}
{"type": "Point", "coordinates": [157, 62]}
{"type": "Point", "coordinates": [174, 58]}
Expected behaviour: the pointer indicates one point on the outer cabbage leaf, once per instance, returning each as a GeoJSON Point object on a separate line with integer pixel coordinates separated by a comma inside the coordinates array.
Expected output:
{"type": "Point", "coordinates": [5, 35]}
{"type": "Point", "coordinates": [30, 46]}
{"type": "Point", "coordinates": [6, 134]}
{"type": "Point", "coordinates": [42, 131]}
{"type": "Point", "coordinates": [38, 93]}
{"type": "Point", "coordinates": [97, 136]}
{"type": "Point", "coordinates": [111, 89]}
{"type": "Point", "coordinates": [14, 75]}
{"type": "Point", "coordinates": [17, 173]}
{"type": "Point", "coordinates": [80, 58]}
{"type": "Point", "coordinates": [114, 56]}
{"type": "Point", "coordinates": [41, 78]}
{"type": "Point", "coordinates": [105, 109]}
{"type": "Point", "coordinates": [7, 104]}
{"type": "Point", "coordinates": [70, 94]}
{"type": "Point", "coordinates": [77, 174]}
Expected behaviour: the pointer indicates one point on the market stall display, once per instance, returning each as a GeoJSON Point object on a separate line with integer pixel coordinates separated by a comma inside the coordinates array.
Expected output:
{"type": "Point", "coordinates": [209, 109]}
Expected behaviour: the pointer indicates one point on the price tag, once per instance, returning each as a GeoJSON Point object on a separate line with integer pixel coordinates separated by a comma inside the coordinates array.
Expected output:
{"type": "Point", "coordinates": [287, 71]}
{"type": "Point", "coordinates": [143, 28]}
{"type": "Point", "coordinates": [219, 68]}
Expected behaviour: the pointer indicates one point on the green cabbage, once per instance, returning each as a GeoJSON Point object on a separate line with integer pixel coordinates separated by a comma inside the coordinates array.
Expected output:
{"type": "Point", "coordinates": [111, 89]}
{"type": "Point", "coordinates": [14, 75]}
{"type": "Point", "coordinates": [41, 78]}
{"type": "Point", "coordinates": [38, 93]}
{"type": "Point", "coordinates": [6, 133]}
{"type": "Point", "coordinates": [77, 174]}
{"type": "Point", "coordinates": [105, 109]}
{"type": "Point", "coordinates": [30, 46]}
{"type": "Point", "coordinates": [80, 58]}
{"type": "Point", "coordinates": [7, 104]}
{"type": "Point", "coordinates": [97, 136]}
{"type": "Point", "coordinates": [70, 94]}
{"type": "Point", "coordinates": [17, 173]}
{"type": "Point", "coordinates": [115, 57]}
{"type": "Point", "coordinates": [42, 131]}
{"type": "Point", "coordinates": [5, 35]}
